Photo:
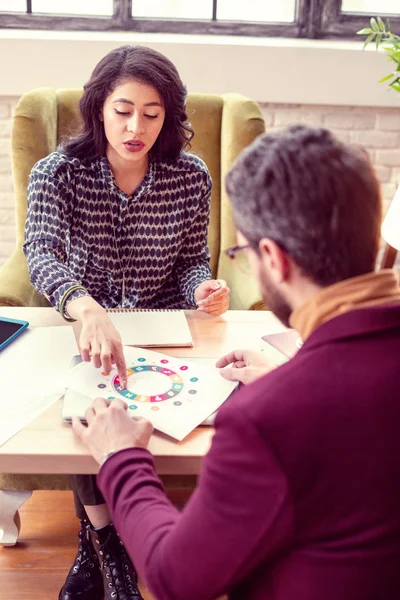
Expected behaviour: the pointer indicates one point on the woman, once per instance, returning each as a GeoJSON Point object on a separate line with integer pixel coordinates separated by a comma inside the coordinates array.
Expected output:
{"type": "Point", "coordinates": [118, 217]}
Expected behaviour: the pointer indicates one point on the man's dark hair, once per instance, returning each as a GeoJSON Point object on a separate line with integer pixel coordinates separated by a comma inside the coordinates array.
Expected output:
{"type": "Point", "coordinates": [316, 197]}
{"type": "Point", "coordinates": [145, 66]}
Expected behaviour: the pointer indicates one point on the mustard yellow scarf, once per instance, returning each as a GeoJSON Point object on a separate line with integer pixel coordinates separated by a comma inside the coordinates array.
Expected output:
{"type": "Point", "coordinates": [372, 289]}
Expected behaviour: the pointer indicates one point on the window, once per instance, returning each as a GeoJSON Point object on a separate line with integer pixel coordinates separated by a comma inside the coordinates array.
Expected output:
{"type": "Point", "coordinates": [73, 7]}
{"type": "Point", "coordinates": [13, 6]}
{"type": "Point", "coordinates": [172, 9]}
{"type": "Point", "coordinates": [379, 7]}
{"type": "Point", "coordinates": [290, 18]}
{"type": "Point", "coordinates": [58, 7]}
{"type": "Point", "coordinates": [255, 11]}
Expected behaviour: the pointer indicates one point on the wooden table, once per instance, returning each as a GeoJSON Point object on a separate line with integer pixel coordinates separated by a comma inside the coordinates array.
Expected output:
{"type": "Point", "coordinates": [47, 444]}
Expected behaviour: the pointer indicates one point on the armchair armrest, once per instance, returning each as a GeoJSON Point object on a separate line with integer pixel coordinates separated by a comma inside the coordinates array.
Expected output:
{"type": "Point", "coordinates": [34, 136]}
{"type": "Point", "coordinates": [15, 287]}
{"type": "Point", "coordinates": [242, 122]}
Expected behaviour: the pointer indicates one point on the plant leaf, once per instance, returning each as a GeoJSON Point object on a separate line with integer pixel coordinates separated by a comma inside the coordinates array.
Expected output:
{"type": "Point", "coordinates": [368, 40]}
{"type": "Point", "coordinates": [381, 24]}
{"type": "Point", "coordinates": [392, 56]}
{"type": "Point", "coordinates": [374, 24]}
{"type": "Point", "coordinates": [386, 78]}
{"type": "Point", "coordinates": [388, 42]}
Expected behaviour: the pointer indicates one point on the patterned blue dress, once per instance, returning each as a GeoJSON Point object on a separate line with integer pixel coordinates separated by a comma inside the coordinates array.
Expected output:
{"type": "Point", "coordinates": [83, 229]}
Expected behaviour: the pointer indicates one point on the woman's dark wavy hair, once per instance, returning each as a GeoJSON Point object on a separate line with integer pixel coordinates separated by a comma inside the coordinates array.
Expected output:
{"type": "Point", "coordinates": [146, 66]}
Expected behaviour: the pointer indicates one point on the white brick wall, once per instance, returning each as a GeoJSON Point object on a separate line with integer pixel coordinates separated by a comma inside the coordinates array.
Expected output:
{"type": "Point", "coordinates": [378, 129]}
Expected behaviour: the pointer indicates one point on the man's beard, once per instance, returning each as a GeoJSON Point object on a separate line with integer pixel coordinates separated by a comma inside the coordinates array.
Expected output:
{"type": "Point", "coordinates": [274, 299]}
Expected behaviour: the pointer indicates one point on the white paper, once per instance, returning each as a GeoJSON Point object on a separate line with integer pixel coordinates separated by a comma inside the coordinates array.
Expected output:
{"type": "Point", "coordinates": [35, 363]}
{"type": "Point", "coordinates": [21, 412]}
{"type": "Point", "coordinates": [176, 395]}
{"type": "Point", "coordinates": [152, 328]}
{"type": "Point", "coordinates": [33, 370]}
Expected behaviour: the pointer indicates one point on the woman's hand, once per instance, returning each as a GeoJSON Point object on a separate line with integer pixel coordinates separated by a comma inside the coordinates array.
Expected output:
{"type": "Point", "coordinates": [244, 365]}
{"type": "Point", "coordinates": [99, 341]}
{"type": "Point", "coordinates": [212, 296]}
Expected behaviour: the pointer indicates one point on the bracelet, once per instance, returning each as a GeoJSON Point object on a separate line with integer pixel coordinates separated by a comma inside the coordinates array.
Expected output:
{"type": "Point", "coordinates": [72, 289]}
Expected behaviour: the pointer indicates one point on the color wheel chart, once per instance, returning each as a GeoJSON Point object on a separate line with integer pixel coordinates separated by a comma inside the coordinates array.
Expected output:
{"type": "Point", "coordinates": [152, 383]}
{"type": "Point", "coordinates": [176, 395]}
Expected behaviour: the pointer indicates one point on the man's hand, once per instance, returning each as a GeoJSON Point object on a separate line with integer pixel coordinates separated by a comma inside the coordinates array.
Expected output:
{"type": "Point", "coordinates": [212, 296]}
{"type": "Point", "coordinates": [110, 428]}
{"type": "Point", "coordinates": [99, 340]}
{"type": "Point", "coordinates": [244, 365]}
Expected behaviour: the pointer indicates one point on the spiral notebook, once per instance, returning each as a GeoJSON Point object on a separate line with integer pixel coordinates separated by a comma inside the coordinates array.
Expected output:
{"type": "Point", "coordinates": [152, 328]}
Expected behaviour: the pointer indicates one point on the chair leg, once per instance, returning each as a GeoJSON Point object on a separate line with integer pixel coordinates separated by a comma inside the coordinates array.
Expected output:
{"type": "Point", "coordinates": [10, 502]}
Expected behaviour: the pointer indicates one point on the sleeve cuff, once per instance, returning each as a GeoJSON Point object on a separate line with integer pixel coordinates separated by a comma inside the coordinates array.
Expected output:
{"type": "Point", "coordinates": [192, 286]}
{"type": "Point", "coordinates": [74, 296]}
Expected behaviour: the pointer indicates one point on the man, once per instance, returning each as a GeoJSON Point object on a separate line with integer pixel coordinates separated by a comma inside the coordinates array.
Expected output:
{"type": "Point", "coordinates": [299, 496]}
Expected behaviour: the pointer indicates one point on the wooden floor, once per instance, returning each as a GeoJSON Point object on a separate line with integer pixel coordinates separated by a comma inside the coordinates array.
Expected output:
{"type": "Point", "coordinates": [35, 569]}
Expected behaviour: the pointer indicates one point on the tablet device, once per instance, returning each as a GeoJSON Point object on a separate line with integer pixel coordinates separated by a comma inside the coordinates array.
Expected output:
{"type": "Point", "coordinates": [287, 342]}
{"type": "Point", "coordinates": [75, 405]}
{"type": "Point", "coordinates": [10, 329]}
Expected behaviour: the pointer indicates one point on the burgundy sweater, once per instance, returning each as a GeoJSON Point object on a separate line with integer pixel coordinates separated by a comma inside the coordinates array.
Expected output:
{"type": "Point", "coordinates": [299, 496]}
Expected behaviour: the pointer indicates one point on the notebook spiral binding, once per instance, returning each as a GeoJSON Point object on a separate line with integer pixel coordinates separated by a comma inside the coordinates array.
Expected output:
{"type": "Point", "coordinates": [146, 310]}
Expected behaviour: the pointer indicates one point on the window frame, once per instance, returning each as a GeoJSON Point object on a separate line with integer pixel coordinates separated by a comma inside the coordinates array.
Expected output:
{"type": "Point", "coordinates": [321, 19]}
{"type": "Point", "coordinates": [123, 21]}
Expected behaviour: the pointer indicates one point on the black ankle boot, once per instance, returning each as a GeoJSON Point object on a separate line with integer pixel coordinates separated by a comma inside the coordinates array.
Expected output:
{"type": "Point", "coordinates": [119, 575]}
{"type": "Point", "coordinates": [84, 580]}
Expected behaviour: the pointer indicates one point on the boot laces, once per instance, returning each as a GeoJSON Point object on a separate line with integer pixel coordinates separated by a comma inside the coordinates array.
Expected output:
{"type": "Point", "coordinates": [83, 556]}
{"type": "Point", "coordinates": [121, 579]}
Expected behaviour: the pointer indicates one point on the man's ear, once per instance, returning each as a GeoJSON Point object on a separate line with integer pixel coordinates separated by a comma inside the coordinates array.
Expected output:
{"type": "Point", "coordinates": [275, 259]}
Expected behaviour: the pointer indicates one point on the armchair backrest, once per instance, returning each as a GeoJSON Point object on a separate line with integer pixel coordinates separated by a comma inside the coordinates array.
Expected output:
{"type": "Point", "coordinates": [223, 126]}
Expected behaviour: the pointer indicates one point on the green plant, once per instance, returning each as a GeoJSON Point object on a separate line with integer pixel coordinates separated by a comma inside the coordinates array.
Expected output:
{"type": "Point", "coordinates": [389, 42]}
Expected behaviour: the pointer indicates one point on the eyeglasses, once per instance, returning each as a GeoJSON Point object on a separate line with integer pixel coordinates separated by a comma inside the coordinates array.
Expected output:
{"type": "Point", "coordinates": [240, 259]}
{"type": "Point", "coordinates": [233, 250]}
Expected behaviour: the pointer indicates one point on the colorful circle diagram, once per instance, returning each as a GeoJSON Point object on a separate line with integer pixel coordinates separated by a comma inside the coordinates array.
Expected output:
{"type": "Point", "coordinates": [149, 383]}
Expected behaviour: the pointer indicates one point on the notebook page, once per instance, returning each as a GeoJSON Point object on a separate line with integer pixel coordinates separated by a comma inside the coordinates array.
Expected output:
{"type": "Point", "coordinates": [152, 327]}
